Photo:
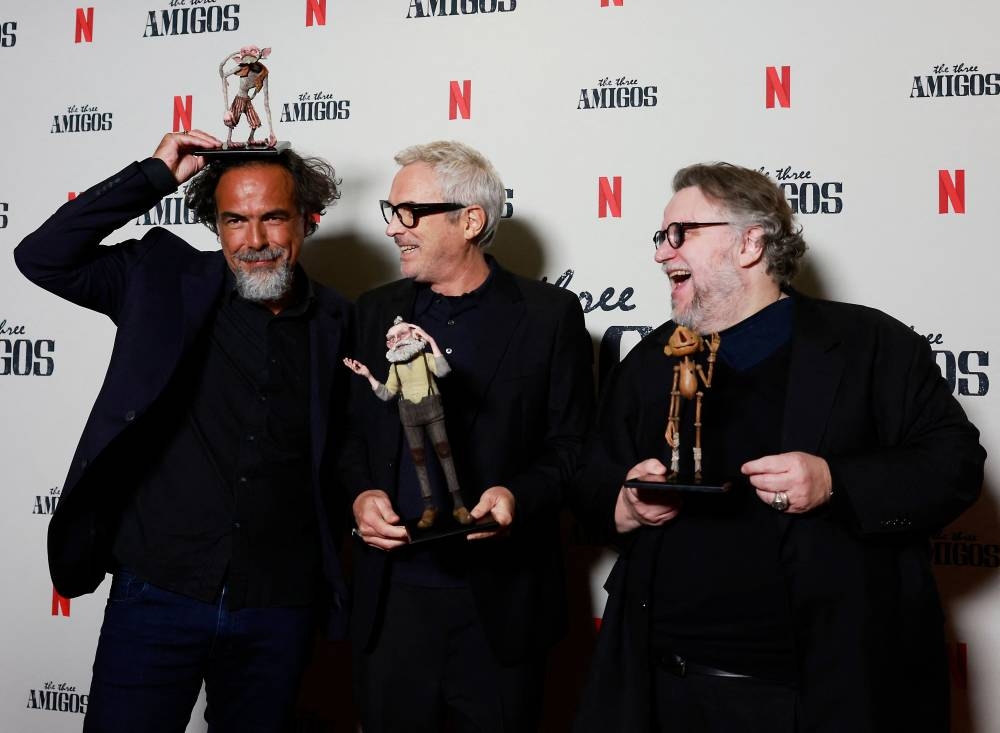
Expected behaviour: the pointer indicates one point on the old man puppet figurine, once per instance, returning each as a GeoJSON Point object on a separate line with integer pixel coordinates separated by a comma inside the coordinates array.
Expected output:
{"type": "Point", "coordinates": [412, 374]}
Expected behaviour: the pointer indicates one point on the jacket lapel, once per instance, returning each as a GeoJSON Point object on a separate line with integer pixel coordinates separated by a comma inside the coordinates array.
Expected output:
{"type": "Point", "coordinates": [815, 370]}
{"type": "Point", "coordinates": [503, 308]}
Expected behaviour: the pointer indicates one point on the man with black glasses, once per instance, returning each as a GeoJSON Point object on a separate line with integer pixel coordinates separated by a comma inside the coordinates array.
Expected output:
{"type": "Point", "coordinates": [460, 628]}
{"type": "Point", "coordinates": [801, 599]}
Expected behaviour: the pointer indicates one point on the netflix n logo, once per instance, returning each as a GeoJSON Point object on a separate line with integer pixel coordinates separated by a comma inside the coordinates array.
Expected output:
{"type": "Point", "coordinates": [460, 100]}
{"type": "Point", "coordinates": [315, 12]}
{"type": "Point", "coordinates": [615, 3]}
{"type": "Point", "coordinates": [60, 604]}
{"type": "Point", "coordinates": [609, 197]}
{"type": "Point", "coordinates": [951, 191]}
{"type": "Point", "coordinates": [182, 113]}
{"type": "Point", "coordinates": [778, 87]}
{"type": "Point", "coordinates": [84, 25]}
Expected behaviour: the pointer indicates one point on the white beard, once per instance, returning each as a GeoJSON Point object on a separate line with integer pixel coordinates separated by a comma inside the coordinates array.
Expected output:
{"type": "Point", "coordinates": [405, 350]}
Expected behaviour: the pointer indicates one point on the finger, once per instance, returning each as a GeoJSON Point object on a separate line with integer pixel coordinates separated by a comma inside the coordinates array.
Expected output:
{"type": "Point", "coordinates": [384, 544]}
{"type": "Point", "coordinates": [202, 135]}
{"type": "Point", "coordinates": [649, 466]}
{"type": "Point", "coordinates": [384, 531]}
{"type": "Point", "coordinates": [765, 464]}
{"type": "Point", "coordinates": [768, 498]}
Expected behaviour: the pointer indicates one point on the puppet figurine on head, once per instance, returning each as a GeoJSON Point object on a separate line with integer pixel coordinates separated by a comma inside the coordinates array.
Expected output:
{"type": "Point", "coordinates": [684, 342]}
{"type": "Point", "coordinates": [412, 374]}
{"type": "Point", "coordinates": [252, 76]}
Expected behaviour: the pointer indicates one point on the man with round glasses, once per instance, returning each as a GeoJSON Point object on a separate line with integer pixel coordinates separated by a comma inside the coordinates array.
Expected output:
{"type": "Point", "coordinates": [801, 599]}
{"type": "Point", "coordinates": [459, 629]}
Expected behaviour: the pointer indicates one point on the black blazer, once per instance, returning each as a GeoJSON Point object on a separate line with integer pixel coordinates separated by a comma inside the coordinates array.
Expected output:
{"type": "Point", "coordinates": [158, 291]}
{"type": "Point", "coordinates": [518, 422]}
{"type": "Point", "coordinates": [864, 393]}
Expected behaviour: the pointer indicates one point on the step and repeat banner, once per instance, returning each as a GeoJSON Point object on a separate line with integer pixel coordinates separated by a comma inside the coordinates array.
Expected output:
{"type": "Point", "coordinates": [878, 120]}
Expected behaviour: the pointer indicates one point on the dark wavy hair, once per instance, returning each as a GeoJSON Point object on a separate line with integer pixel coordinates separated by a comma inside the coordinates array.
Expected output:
{"type": "Point", "coordinates": [752, 199]}
{"type": "Point", "coordinates": [315, 181]}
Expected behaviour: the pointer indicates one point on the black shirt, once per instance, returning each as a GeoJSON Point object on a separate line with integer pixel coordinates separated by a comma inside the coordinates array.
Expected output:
{"type": "Point", "coordinates": [458, 325]}
{"type": "Point", "coordinates": [719, 595]}
{"type": "Point", "coordinates": [221, 464]}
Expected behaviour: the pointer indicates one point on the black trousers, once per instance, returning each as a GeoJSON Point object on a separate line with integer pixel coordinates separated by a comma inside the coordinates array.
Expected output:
{"type": "Point", "coordinates": [432, 670]}
{"type": "Point", "coordinates": [702, 704]}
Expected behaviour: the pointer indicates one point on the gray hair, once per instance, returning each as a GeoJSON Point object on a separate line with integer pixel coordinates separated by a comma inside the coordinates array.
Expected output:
{"type": "Point", "coordinates": [465, 176]}
{"type": "Point", "coordinates": [752, 199]}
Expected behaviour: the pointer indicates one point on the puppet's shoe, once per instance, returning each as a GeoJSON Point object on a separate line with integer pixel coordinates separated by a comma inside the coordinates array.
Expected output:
{"type": "Point", "coordinates": [427, 518]}
{"type": "Point", "coordinates": [461, 515]}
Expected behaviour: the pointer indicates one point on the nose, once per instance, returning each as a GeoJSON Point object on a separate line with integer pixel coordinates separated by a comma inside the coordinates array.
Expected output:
{"type": "Point", "coordinates": [394, 226]}
{"type": "Point", "coordinates": [664, 253]}
{"type": "Point", "coordinates": [256, 235]}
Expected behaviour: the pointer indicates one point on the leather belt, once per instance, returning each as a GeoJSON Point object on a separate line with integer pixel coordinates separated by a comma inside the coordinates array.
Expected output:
{"type": "Point", "coordinates": [680, 667]}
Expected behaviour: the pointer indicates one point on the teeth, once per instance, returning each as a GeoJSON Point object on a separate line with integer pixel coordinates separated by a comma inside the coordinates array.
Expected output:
{"type": "Point", "coordinates": [409, 248]}
{"type": "Point", "coordinates": [678, 275]}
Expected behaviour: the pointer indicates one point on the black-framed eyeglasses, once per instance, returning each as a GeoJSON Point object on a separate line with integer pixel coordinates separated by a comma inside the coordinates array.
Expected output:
{"type": "Point", "coordinates": [674, 233]}
{"type": "Point", "coordinates": [409, 213]}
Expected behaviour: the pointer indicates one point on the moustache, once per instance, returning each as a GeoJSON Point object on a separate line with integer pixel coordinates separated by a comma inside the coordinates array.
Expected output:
{"type": "Point", "coordinates": [264, 255]}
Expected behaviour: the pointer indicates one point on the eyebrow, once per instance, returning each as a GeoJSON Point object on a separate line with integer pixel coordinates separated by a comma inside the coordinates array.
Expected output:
{"type": "Point", "coordinates": [270, 212]}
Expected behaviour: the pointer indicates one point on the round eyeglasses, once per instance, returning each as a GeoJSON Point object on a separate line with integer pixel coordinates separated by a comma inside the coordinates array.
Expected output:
{"type": "Point", "coordinates": [674, 233]}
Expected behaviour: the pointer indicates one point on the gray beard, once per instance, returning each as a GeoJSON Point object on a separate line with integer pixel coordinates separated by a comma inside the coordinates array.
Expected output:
{"type": "Point", "coordinates": [713, 306]}
{"type": "Point", "coordinates": [404, 351]}
{"type": "Point", "coordinates": [264, 287]}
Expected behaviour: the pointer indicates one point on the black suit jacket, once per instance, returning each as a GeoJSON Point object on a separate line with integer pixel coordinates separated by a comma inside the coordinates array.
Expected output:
{"type": "Point", "coordinates": [158, 291]}
{"type": "Point", "coordinates": [864, 393]}
{"type": "Point", "coordinates": [519, 422]}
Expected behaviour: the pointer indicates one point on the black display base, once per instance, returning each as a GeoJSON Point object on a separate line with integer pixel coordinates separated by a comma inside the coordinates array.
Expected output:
{"type": "Point", "coordinates": [681, 482]}
{"type": "Point", "coordinates": [446, 526]}
{"type": "Point", "coordinates": [253, 151]}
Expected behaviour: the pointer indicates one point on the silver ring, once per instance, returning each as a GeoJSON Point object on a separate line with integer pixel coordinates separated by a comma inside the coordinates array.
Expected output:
{"type": "Point", "coordinates": [780, 501]}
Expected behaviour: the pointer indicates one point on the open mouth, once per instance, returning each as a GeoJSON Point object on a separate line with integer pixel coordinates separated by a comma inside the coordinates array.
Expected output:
{"type": "Point", "coordinates": [406, 248]}
{"type": "Point", "coordinates": [679, 276]}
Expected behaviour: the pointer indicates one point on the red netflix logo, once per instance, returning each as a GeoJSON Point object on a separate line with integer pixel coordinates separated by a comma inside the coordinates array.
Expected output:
{"type": "Point", "coordinates": [609, 197]}
{"type": "Point", "coordinates": [182, 113]}
{"type": "Point", "coordinates": [60, 605]}
{"type": "Point", "coordinates": [778, 87]}
{"type": "Point", "coordinates": [951, 191]}
{"type": "Point", "coordinates": [315, 12]}
{"type": "Point", "coordinates": [616, 3]}
{"type": "Point", "coordinates": [460, 100]}
{"type": "Point", "coordinates": [84, 25]}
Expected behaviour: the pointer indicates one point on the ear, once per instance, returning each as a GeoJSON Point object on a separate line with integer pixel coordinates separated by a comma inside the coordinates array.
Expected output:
{"type": "Point", "coordinates": [475, 221]}
{"type": "Point", "coordinates": [752, 247]}
{"type": "Point", "coordinates": [265, 52]}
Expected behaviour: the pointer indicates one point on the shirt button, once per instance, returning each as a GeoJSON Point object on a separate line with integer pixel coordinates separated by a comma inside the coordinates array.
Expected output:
{"type": "Point", "coordinates": [262, 397]}
{"type": "Point", "coordinates": [130, 416]}
{"type": "Point", "coordinates": [250, 437]}
{"type": "Point", "coordinates": [236, 525]}
{"type": "Point", "coordinates": [451, 321]}
{"type": "Point", "coordinates": [243, 479]}
{"type": "Point", "coordinates": [447, 351]}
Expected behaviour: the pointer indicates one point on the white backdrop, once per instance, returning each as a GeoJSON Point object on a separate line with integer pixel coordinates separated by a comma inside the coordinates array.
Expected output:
{"type": "Point", "coordinates": [879, 114]}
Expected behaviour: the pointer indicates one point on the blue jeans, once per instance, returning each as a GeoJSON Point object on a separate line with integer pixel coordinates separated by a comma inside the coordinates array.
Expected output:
{"type": "Point", "coordinates": [156, 647]}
